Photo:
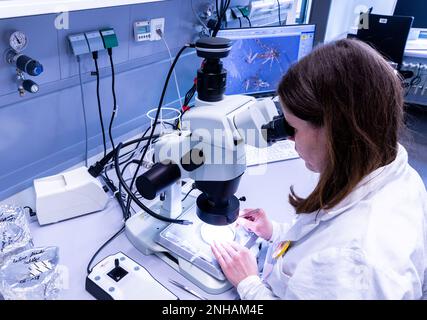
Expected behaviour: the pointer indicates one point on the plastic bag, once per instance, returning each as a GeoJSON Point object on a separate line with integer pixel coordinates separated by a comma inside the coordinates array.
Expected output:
{"type": "Point", "coordinates": [14, 232]}
{"type": "Point", "coordinates": [13, 239]}
{"type": "Point", "coordinates": [32, 275]}
{"type": "Point", "coordinates": [11, 213]}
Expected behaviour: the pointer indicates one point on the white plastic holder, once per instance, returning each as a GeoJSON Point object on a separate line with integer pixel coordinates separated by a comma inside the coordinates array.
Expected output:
{"type": "Point", "coordinates": [167, 115]}
{"type": "Point", "coordinates": [68, 195]}
{"type": "Point", "coordinates": [172, 204]}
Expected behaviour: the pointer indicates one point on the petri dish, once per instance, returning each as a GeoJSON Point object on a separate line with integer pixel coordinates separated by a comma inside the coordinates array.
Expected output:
{"type": "Point", "coordinates": [211, 233]}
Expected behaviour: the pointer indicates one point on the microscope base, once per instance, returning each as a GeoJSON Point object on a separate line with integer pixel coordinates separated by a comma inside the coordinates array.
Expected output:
{"type": "Point", "coordinates": [143, 231]}
{"type": "Point", "coordinates": [196, 275]}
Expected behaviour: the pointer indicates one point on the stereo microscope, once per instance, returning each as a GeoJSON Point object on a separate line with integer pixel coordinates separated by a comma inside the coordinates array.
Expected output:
{"type": "Point", "coordinates": [209, 149]}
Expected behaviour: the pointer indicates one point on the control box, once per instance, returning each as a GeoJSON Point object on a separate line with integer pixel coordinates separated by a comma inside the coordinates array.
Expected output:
{"type": "Point", "coordinates": [147, 30]}
{"type": "Point", "coordinates": [142, 31]}
{"type": "Point", "coordinates": [118, 277]}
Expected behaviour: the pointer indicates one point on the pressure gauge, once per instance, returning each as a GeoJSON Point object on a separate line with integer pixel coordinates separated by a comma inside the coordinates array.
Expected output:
{"type": "Point", "coordinates": [18, 41]}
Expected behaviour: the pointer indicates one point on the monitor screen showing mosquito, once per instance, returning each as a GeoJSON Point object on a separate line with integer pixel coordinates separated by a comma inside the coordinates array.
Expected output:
{"type": "Point", "coordinates": [261, 56]}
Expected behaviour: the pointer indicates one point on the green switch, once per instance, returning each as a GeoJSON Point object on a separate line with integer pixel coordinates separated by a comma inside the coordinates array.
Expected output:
{"type": "Point", "coordinates": [109, 38]}
{"type": "Point", "coordinates": [246, 11]}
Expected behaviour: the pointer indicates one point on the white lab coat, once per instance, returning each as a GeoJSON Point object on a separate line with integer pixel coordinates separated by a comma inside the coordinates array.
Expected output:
{"type": "Point", "coordinates": [373, 245]}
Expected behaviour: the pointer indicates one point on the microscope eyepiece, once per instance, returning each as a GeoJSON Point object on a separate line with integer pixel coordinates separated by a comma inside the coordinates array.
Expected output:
{"type": "Point", "coordinates": [213, 48]}
{"type": "Point", "coordinates": [278, 129]}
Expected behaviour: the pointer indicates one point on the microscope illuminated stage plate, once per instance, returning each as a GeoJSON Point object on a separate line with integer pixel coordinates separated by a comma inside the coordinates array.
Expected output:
{"type": "Point", "coordinates": [186, 241]}
{"type": "Point", "coordinates": [212, 233]}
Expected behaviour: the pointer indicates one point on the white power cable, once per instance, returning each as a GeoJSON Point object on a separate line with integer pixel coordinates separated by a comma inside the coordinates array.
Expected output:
{"type": "Point", "coordinates": [84, 111]}
{"type": "Point", "coordinates": [198, 17]}
{"type": "Point", "coordinates": [159, 32]}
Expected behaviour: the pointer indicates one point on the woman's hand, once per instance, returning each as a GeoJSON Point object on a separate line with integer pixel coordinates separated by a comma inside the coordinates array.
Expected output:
{"type": "Point", "coordinates": [256, 221]}
{"type": "Point", "coordinates": [236, 261]}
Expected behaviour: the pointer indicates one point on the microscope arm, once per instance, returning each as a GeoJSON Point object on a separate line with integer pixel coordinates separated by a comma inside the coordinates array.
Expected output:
{"type": "Point", "coordinates": [214, 134]}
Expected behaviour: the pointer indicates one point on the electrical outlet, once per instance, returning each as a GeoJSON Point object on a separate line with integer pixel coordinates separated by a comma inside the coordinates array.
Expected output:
{"type": "Point", "coordinates": [94, 40]}
{"type": "Point", "coordinates": [78, 44]}
{"type": "Point", "coordinates": [156, 24]}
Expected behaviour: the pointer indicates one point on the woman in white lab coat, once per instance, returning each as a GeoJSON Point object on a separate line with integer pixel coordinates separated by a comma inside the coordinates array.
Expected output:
{"type": "Point", "coordinates": [362, 232]}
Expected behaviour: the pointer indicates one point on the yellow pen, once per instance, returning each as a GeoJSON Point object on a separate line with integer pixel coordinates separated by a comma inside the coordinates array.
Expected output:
{"type": "Point", "coordinates": [281, 249]}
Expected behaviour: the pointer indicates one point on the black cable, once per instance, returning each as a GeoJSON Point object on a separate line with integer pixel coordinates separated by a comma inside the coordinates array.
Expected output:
{"type": "Point", "coordinates": [113, 89]}
{"type": "Point", "coordinates": [110, 164]}
{"type": "Point", "coordinates": [89, 270]}
{"type": "Point", "coordinates": [193, 187]}
{"type": "Point", "coordinates": [128, 164]}
{"type": "Point", "coordinates": [188, 96]}
{"type": "Point", "coordinates": [106, 173]}
{"type": "Point", "coordinates": [95, 58]}
{"type": "Point", "coordinates": [116, 193]}
{"type": "Point", "coordinates": [135, 199]}
{"type": "Point", "coordinates": [132, 152]}
{"type": "Point", "coordinates": [156, 118]}
{"type": "Point", "coordinates": [225, 11]}
{"type": "Point", "coordinates": [31, 212]}
{"type": "Point", "coordinates": [116, 155]}
{"type": "Point", "coordinates": [186, 106]}
{"type": "Point", "coordinates": [249, 21]}
{"type": "Point", "coordinates": [278, 8]}
{"type": "Point", "coordinates": [96, 169]}
{"type": "Point", "coordinates": [220, 18]}
{"type": "Point", "coordinates": [218, 14]}
{"type": "Point", "coordinates": [414, 81]}
{"type": "Point", "coordinates": [240, 21]}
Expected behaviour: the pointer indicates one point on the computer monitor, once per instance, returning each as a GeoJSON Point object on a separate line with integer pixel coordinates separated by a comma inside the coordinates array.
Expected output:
{"type": "Point", "coordinates": [387, 34]}
{"type": "Point", "coordinates": [260, 56]}
{"type": "Point", "coordinates": [415, 8]}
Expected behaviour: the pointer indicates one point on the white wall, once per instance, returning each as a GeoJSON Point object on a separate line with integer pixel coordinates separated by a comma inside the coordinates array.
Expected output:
{"type": "Point", "coordinates": [344, 15]}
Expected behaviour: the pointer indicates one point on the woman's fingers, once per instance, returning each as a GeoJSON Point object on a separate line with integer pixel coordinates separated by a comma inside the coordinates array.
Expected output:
{"type": "Point", "coordinates": [218, 256]}
{"type": "Point", "coordinates": [237, 247]}
{"type": "Point", "coordinates": [249, 213]}
{"type": "Point", "coordinates": [222, 252]}
{"type": "Point", "coordinates": [229, 249]}
{"type": "Point", "coordinates": [247, 224]}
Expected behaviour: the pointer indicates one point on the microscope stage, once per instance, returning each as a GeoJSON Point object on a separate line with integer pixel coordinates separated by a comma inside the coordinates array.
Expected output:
{"type": "Point", "coordinates": [186, 241]}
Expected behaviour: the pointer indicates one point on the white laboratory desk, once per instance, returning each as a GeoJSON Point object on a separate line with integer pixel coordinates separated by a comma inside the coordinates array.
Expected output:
{"type": "Point", "coordinates": [416, 53]}
{"type": "Point", "coordinates": [416, 48]}
{"type": "Point", "coordinates": [78, 239]}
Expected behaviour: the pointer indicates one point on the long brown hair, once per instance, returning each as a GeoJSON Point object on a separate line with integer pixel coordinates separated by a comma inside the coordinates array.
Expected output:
{"type": "Point", "coordinates": [351, 90]}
